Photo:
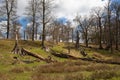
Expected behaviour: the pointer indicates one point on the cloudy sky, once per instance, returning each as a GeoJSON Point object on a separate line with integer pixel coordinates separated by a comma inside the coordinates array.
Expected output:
{"type": "Point", "coordinates": [67, 8]}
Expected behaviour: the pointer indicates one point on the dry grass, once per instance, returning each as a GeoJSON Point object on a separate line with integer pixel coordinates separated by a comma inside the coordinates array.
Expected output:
{"type": "Point", "coordinates": [17, 70]}
{"type": "Point", "coordinates": [105, 75]}
{"type": "Point", "coordinates": [98, 67]}
{"type": "Point", "coordinates": [62, 67]}
{"type": "Point", "coordinates": [74, 70]}
{"type": "Point", "coordinates": [4, 76]}
{"type": "Point", "coordinates": [78, 76]}
{"type": "Point", "coordinates": [20, 69]}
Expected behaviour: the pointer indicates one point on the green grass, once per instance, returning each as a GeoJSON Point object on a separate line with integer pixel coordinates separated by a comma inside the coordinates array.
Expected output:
{"type": "Point", "coordinates": [65, 69]}
{"type": "Point", "coordinates": [58, 49]}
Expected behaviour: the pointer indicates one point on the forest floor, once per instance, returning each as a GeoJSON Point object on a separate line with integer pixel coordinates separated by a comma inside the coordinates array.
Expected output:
{"type": "Point", "coordinates": [17, 67]}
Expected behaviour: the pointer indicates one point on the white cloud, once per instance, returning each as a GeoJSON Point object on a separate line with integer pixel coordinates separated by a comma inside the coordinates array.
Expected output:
{"type": "Point", "coordinates": [69, 8]}
{"type": "Point", "coordinates": [21, 6]}
{"type": "Point", "coordinates": [3, 28]}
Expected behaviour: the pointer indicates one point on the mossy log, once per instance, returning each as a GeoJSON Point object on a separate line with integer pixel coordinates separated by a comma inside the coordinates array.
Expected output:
{"type": "Point", "coordinates": [61, 55]}
{"type": "Point", "coordinates": [100, 61]}
{"type": "Point", "coordinates": [26, 52]}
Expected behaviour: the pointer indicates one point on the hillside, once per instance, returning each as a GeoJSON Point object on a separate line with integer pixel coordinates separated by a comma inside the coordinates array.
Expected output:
{"type": "Point", "coordinates": [19, 67]}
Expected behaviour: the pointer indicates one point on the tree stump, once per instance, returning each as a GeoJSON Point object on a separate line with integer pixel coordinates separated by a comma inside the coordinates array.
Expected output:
{"type": "Point", "coordinates": [16, 49]}
{"type": "Point", "coordinates": [82, 51]}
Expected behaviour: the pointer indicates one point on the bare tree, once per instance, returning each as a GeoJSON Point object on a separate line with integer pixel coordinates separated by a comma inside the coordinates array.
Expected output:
{"type": "Point", "coordinates": [109, 45]}
{"type": "Point", "coordinates": [45, 13]}
{"type": "Point", "coordinates": [8, 8]}
{"type": "Point", "coordinates": [98, 12]}
{"type": "Point", "coordinates": [32, 12]}
{"type": "Point", "coordinates": [116, 9]}
{"type": "Point", "coordinates": [84, 25]}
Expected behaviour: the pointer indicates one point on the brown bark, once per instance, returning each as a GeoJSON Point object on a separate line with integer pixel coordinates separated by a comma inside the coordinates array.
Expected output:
{"type": "Point", "coordinates": [86, 38]}
{"type": "Point", "coordinates": [100, 34]}
{"type": "Point", "coordinates": [77, 40]}
{"type": "Point", "coordinates": [43, 33]}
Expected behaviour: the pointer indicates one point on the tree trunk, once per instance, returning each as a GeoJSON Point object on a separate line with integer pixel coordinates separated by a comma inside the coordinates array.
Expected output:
{"type": "Point", "coordinates": [43, 34]}
{"type": "Point", "coordinates": [33, 25]}
{"type": "Point", "coordinates": [86, 38]}
{"type": "Point", "coordinates": [77, 40]}
{"type": "Point", "coordinates": [16, 47]}
{"type": "Point", "coordinates": [36, 30]}
{"type": "Point", "coordinates": [109, 45]}
{"type": "Point", "coordinates": [33, 30]}
{"type": "Point", "coordinates": [8, 25]}
{"type": "Point", "coordinates": [72, 35]}
{"type": "Point", "coordinates": [100, 34]}
{"type": "Point", "coordinates": [110, 33]}
{"type": "Point", "coordinates": [116, 33]}
{"type": "Point", "coordinates": [24, 34]}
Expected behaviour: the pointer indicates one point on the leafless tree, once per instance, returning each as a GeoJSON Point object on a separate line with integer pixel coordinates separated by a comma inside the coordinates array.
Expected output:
{"type": "Point", "coordinates": [32, 11]}
{"type": "Point", "coordinates": [116, 10]}
{"type": "Point", "coordinates": [45, 13]}
{"type": "Point", "coordinates": [98, 12]}
{"type": "Point", "coordinates": [8, 8]}
{"type": "Point", "coordinates": [107, 7]}
{"type": "Point", "coordinates": [84, 27]}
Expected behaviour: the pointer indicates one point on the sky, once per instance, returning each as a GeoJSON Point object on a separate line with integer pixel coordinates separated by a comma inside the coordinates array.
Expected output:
{"type": "Point", "coordinates": [67, 8]}
{"type": "Point", "coordinates": [64, 9]}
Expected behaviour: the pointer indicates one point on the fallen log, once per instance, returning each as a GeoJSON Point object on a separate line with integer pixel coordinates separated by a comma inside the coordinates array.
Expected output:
{"type": "Point", "coordinates": [26, 52]}
{"type": "Point", "coordinates": [100, 61]}
{"type": "Point", "coordinates": [61, 55]}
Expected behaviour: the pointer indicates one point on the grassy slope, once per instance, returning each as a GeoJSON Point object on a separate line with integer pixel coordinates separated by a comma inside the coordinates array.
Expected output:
{"type": "Point", "coordinates": [64, 70]}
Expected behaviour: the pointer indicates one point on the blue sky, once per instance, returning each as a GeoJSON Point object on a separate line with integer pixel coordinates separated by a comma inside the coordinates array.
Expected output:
{"type": "Point", "coordinates": [2, 19]}
{"type": "Point", "coordinates": [23, 22]}
{"type": "Point", "coordinates": [62, 20]}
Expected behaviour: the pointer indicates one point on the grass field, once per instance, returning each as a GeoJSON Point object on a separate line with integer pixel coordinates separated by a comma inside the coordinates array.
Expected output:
{"type": "Point", "coordinates": [29, 68]}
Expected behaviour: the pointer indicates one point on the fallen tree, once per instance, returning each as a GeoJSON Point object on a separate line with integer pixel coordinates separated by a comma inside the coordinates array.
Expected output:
{"type": "Point", "coordinates": [26, 52]}
{"type": "Point", "coordinates": [62, 55]}
{"type": "Point", "coordinates": [100, 61]}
